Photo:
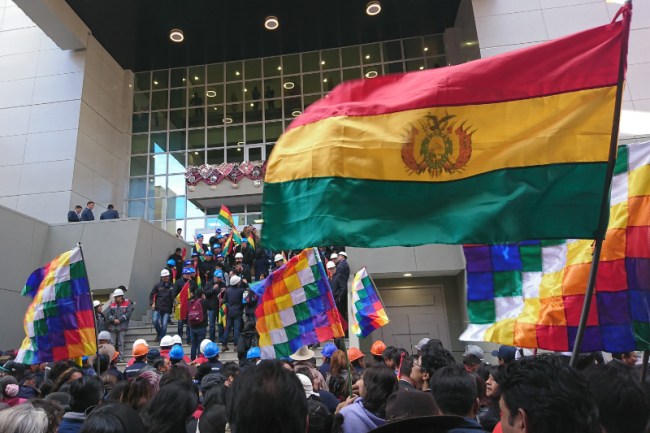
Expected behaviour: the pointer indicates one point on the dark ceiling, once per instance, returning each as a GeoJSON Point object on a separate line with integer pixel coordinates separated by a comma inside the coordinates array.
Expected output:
{"type": "Point", "coordinates": [136, 32]}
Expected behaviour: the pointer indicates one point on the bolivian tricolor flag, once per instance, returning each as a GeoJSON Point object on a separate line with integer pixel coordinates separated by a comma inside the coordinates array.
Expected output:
{"type": "Point", "coordinates": [502, 149]}
{"type": "Point", "coordinates": [226, 216]}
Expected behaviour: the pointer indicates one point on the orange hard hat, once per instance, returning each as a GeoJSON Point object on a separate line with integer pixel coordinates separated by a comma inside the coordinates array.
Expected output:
{"type": "Point", "coordinates": [354, 354]}
{"type": "Point", "coordinates": [378, 348]}
{"type": "Point", "coordinates": [140, 350]}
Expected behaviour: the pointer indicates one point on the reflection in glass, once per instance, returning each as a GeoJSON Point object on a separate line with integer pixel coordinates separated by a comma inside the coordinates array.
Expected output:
{"type": "Point", "coordinates": [273, 110]}
{"type": "Point", "coordinates": [215, 73]}
{"type": "Point", "coordinates": [178, 98]}
{"type": "Point", "coordinates": [176, 185]}
{"type": "Point", "coordinates": [159, 79]}
{"type": "Point", "coordinates": [158, 164]}
{"type": "Point", "coordinates": [414, 65]}
{"type": "Point", "coordinates": [176, 141]}
{"type": "Point", "coordinates": [254, 153]}
{"type": "Point", "coordinates": [310, 100]}
{"type": "Point", "coordinates": [215, 115]}
{"type": "Point", "coordinates": [371, 71]}
{"type": "Point", "coordinates": [272, 88]}
{"type": "Point", "coordinates": [139, 143]}
{"type": "Point", "coordinates": [310, 62]}
{"type": "Point", "coordinates": [413, 48]}
{"type": "Point", "coordinates": [329, 59]}
{"type": "Point", "coordinates": [331, 79]}
{"type": "Point", "coordinates": [234, 112]}
{"type": "Point", "coordinates": [393, 68]}
{"type": "Point", "coordinates": [235, 136]}
{"type": "Point", "coordinates": [196, 117]}
{"type": "Point", "coordinates": [253, 112]}
{"type": "Point", "coordinates": [176, 207]}
{"type": "Point", "coordinates": [215, 156]}
{"type": "Point", "coordinates": [142, 81]}
{"type": "Point", "coordinates": [392, 51]}
{"type": "Point", "coordinates": [157, 186]}
{"type": "Point", "coordinates": [138, 166]}
{"type": "Point", "coordinates": [254, 133]}
{"type": "Point", "coordinates": [234, 92]}
{"type": "Point", "coordinates": [273, 131]}
{"type": "Point", "coordinates": [140, 102]}
{"type": "Point", "coordinates": [250, 218]}
{"type": "Point", "coordinates": [234, 71]}
{"type": "Point", "coordinates": [140, 123]}
{"type": "Point", "coordinates": [350, 56]}
{"type": "Point", "coordinates": [311, 83]}
{"type": "Point", "coordinates": [269, 148]}
{"type": "Point", "coordinates": [291, 64]}
{"type": "Point", "coordinates": [215, 137]}
{"type": "Point", "coordinates": [370, 54]}
{"type": "Point", "coordinates": [196, 158]}
{"type": "Point", "coordinates": [159, 120]}
{"type": "Point", "coordinates": [177, 162]}
{"type": "Point", "coordinates": [178, 119]}
{"type": "Point", "coordinates": [434, 46]}
{"type": "Point", "coordinates": [136, 209]}
{"type": "Point", "coordinates": [272, 67]}
{"type": "Point", "coordinates": [137, 187]}
{"type": "Point", "coordinates": [436, 62]}
{"type": "Point", "coordinates": [351, 74]}
{"type": "Point", "coordinates": [197, 75]}
{"type": "Point", "coordinates": [253, 92]}
{"type": "Point", "coordinates": [214, 94]}
{"type": "Point", "coordinates": [155, 209]}
{"type": "Point", "coordinates": [235, 155]}
{"type": "Point", "coordinates": [196, 139]}
{"type": "Point", "coordinates": [194, 212]}
{"type": "Point", "coordinates": [179, 77]}
{"type": "Point", "coordinates": [158, 143]}
{"type": "Point", "coordinates": [253, 68]}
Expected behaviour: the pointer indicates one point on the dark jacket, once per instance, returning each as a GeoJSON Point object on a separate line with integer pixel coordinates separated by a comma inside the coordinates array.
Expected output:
{"type": "Point", "coordinates": [110, 214]}
{"type": "Point", "coordinates": [215, 365]}
{"type": "Point", "coordinates": [468, 426]}
{"type": "Point", "coordinates": [102, 324]}
{"type": "Point", "coordinates": [179, 264]}
{"type": "Point", "coordinates": [87, 215]}
{"type": "Point", "coordinates": [115, 372]}
{"type": "Point", "coordinates": [72, 422]}
{"type": "Point", "coordinates": [234, 297]}
{"type": "Point", "coordinates": [248, 253]}
{"type": "Point", "coordinates": [208, 270]}
{"type": "Point", "coordinates": [245, 273]}
{"type": "Point", "coordinates": [132, 370]}
{"type": "Point", "coordinates": [120, 312]}
{"type": "Point", "coordinates": [204, 323]}
{"type": "Point", "coordinates": [25, 391]}
{"type": "Point", "coordinates": [211, 292]}
{"type": "Point", "coordinates": [73, 217]}
{"type": "Point", "coordinates": [406, 386]}
{"type": "Point", "coordinates": [163, 293]}
{"type": "Point", "coordinates": [262, 266]}
{"type": "Point", "coordinates": [247, 338]}
{"type": "Point", "coordinates": [205, 248]}
{"type": "Point", "coordinates": [178, 286]}
{"type": "Point", "coordinates": [326, 368]}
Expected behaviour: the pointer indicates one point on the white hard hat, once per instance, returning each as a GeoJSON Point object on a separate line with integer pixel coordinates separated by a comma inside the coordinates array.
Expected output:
{"type": "Point", "coordinates": [167, 341]}
{"type": "Point", "coordinates": [342, 253]}
{"type": "Point", "coordinates": [118, 292]}
{"type": "Point", "coordinates": [205, 343]}
{"type": "Point", "coordinates": [234, 280]}
{"type": "Point", "coordinates": [104, 335]}
{"type": "Point", "coordinates": [177, 339]}
{"type": "Point", "coordinates": [239, 256]}
{"type": "Point", "coordinates": [278, 258]}
{"type": "Point", "coordinates": [96, 304]}
{"type": "Point", "coordinates": [333, 256]}
{"type": "Point", "coordinates": [140, 341]}
{"type": "Point", "coordinates": [330, 265]}
{"type": "Point", "coordinates": [164, 273]}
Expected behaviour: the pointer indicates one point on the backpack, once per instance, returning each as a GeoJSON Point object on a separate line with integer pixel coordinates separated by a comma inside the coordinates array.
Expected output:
{"type": "Point", "coordinates": [249, 297]}
{"type": "Point", "coordinates": [195, 313]}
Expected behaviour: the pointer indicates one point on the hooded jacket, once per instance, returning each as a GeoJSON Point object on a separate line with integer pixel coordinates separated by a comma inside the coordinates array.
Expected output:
{"type": "Point", "coordinates": [358, 420]}
{"type": "Point", "coordinates": [248, 338]}
{"type": "Point", "coordinates": [163, 294]}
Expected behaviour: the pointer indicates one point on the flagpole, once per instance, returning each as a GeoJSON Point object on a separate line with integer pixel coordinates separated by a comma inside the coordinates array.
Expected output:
{"type": "Point", "coordinates": [604, 206]}
{"type": "Point", "coordinates": [382, 303]}
{"type": "Point", "coordinates": [92, 301]}
{"type": "Point", "coordinates": [644, 371]}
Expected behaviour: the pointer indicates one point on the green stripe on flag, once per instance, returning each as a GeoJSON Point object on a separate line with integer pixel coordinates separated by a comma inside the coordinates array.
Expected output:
{"type": "Point", "coordinates": [77, 270]}
{"type": "Point", "coordinates": [621, 160]}
{"type": "Point", "coordinates": [366, 282]}
{"type": "Point", "coordinates": [481, 312]}
{"type": "Point", "coordinates": [507, 284]}
{"type": "Point", "coordinates": [531, 258]}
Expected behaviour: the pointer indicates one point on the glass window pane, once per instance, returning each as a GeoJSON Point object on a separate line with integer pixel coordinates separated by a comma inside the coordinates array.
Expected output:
{"type": "Point", "coordinates": [196, 117]}
{"type": "Point", "coordinates": [175, 209]}
{"type": "Point", "coordinates": [158, 164]}
{"type": "Point", "coordinates": [253, 69]}
{"type": "Point", "coordinates": [178, 98]}
{"type": "Point", "coordinates": [214, 94]}
{"type": "Point", "coordinates": [140, 123]}
{"type": "Point", "coordinates": [273, 131]}
{"type": "Point", "coordinates": [272, 88]}
{"type": "Point", "coordinates": [193, 225]}
{"type": "Point", "coordinates": [155, 209]}
{"type": "Point", "coordinates": [254, 208]}
{"type": "Point", "coordinates": [194, 212]}
{"type": "Point", "coordinates": [179, 77]}
{"type": "Point", "coordinates": [436, 62]}
{"type": "Point", "coordinates": [434, 45]}
{"type": "Point", "coordinates": [233, 71]}
{"type": "Point", "coordinates": [137, 187]}
{"type": "Point", "coordinates": [351, 74]}
{"type": "Point", "coordinates": [310, 100]}
{"type": "Point", "coordinates": [235, 154]}
{"type": "Point", "coordinates": [215, 156]}
{"type": "Point", "coordinates": [172, 226]}
{"type": "Point", "coordinates": [252, 90]}
{"type": "Point", "coordinates": [394, 68]}
{"type": "Point", "coordinates": [254, 133]}
{"type": "Point", "coordinates": [269, 148]}
{"type": "Point", "coordinates": [234, 112]}
{"type": "Point", "coordinates": [197, 96]}
{"type": "Point", "coordinates": [138, 166]}
{"type": "Point", "coordinates": [160, 79]}
{"type": "Point", "coordinates": [311, 83]}
{"type": "Point", "coordinates": [215, 137]}
{"type": "Point", "coordinates": [139, 143]}
{"type": "Point", "coordinates": [272, 67]}
{"type": "Point", "coordinates": [310, 62]}
{"type": "Point", "coordinates": [413, 48]}
{"type": "Point", "coordinates": [291, 64]}
{"type": "Point", "coordinates": [136, 209]}
{"type": "Point", "coordinates": [195, 158]}
{"type": "Point", "coordinates": [141, 102]}
{"type": "Point", "coordinates": [392, 51]}
{"type": "Point", "coordinates": [215, 73]}
{"type": "Point", "coordinates": [331, 79]}
{"type": "Point", "coordinates": [273, 109]}
{"type": "Point", "coordinates": [350, 56]}
{"type": "Point", "coordinates": [330, 59]}
{"type": "Point", "coordinates": [196, 139]}
{"type": "Point", "coordinates": [158, 143]}
{"type": "Point", "coordinates": [178, 119]}
{"type": "Point", "coordinates": [159, 120]}
{"type": "Point", "coordinates": [370, 54]}
{"type": "Point", "coordinates": [215, 115]}
{"type": "Point", "coordinates": [253, 112]}
{"type": "Point", "coordinates": [176, 141]}
{"type": "Point", "coordinates": [157, 186]}
{"type": "Point", "coordinates": [197, 75]}
{"type": "Point", "coordinates": [254, 153]}
{"type": "Point", "coordinates": [177, 162]}
{"type": "Point", "coordinates": [234, 92]}
{"type": "Point", "coordinates": [414, 65]}
{"type": "Point", "coordinates": [234, 135]}
{"type": "Point", "coordinates": [291, 112]}
{"type": "Point", "coordinates": [250, 218]}
{"type": "Point", "coordinates": [142, 81]}
{"type": "Point", "coordinates": [176, 186]}
{"type": "Point", "coordinates": [291, 86]}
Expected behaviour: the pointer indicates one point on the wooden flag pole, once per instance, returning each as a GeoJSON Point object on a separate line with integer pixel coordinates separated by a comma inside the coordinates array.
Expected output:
{"type": "Point", "coordinates": [92, 301]}
{"type": "Point", "coordinates": [644, 371]}
{"type": "Point", "coordinates": [604, 206]}
{"type": "Point", "coordinates": [383, 305]}
{"type": "Point", "coordinates": [347, 362]}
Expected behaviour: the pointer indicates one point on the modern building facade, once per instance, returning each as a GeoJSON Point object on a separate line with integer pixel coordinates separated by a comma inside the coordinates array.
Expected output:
{"type": "Point", "coordinates": [97, 103]}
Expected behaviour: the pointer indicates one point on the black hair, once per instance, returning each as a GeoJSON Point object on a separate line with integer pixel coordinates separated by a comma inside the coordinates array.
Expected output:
{"type": "Point", "coordinates": [433, 343]}
{"type": "Point", "coordinates": [622, 403]}
{"type": "Point", "coordinates": [471, 359]}
{"type": "Point", "coordinates": [216, 395]}
{"type": "Point", "coordinates": [104, 364]}
{"type": "Point", "coordinates": [337, 385]}
{"type": "Point", "coordinates": [78, 206]}
{"type": "Point", "coordinates": [213, 419]}
{"type": "Point", "coordinates": [320, 418]}
{"type": "Point", "coordinates": [52, 409]}
{"type": "Point", "coordinates": [179, 395]}
{"type": "Point", "coordinates": [198, 293]}
{"type": "Point", "coordinates": [619, 355]}
{"type": "Point", "coordinates": [483, 371]}
{"type": "Point", "coordinates": [85, 392]}
{"type": "Point", "coordinates": [177, 250]}
{"type": "Point", "coordinates": [379, 384]}
{"type": "Point", "coordinates": [159, 362]}
{"type": "Point", "coordinates": [113, 418]}
{"type": "Point", "coordinates": [118, 390]}
{"type": "Point", "coordinates": [90, 202]}
{"type": "Point", "coordinates": [378, 358]}
{"type": "Point", "coordinates": [407, 365]}
{"type": "Point", "coordinates": [46, 388]}
{"type": "Point", "coordinates": [389, 352]}
{"type": "Point", "coordinates": [230, 369]}
{"type": "Point", "coordinates": [274, 394]}
{"type": "Point", "coordinates": [174, 375]}
{"type": "Point", "coordinates": [203, 370]}
{"type": "Point", "coordinates": [340, 343]}
{"type": "Point", "coordinates": [434, 358]}
{"type": "Point", "coordinates": [138, 393]}
{"type": "Point", "coordinates": [454, 389]}
{"type": "Point", "coordinates": [305, 372]}
{"type": "Point", "coordinates": [110, 206]}
{"type": "Point", "coordinates": [554, 396]}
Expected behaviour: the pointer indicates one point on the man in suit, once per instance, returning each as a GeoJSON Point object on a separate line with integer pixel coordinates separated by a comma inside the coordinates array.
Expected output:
{"type": "Point", "coordinates": [110, 214]}
{"type": "Point", "coordinates": [75, 215]}
{"type": "Point", "coordinates": [87, 214]}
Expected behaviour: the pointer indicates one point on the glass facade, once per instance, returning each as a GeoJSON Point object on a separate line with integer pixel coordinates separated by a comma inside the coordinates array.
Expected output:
{"type": "Point", "coordinates": [235, 112]}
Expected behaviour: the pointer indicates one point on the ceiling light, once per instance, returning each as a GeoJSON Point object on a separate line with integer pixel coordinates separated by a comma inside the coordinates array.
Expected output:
{"type": "Point", "coordinates": [371, 74]}
{"type": "Point", "coordinates": [271, 23]}
{"type": "Point", "coordinates": [296, 113]}
{"type": "Point", "coordinates": [252, 105]}
{"type": "Point", "coordinates": [176, 35]}
{"type": "Point", "coordinates": [323, 62]}
{"type": "Point", "coordinates": [211, 93]}
{"type": "Point", "coordinates": [426, 49]}
{"type": "Point", "coordinates": [289, 85]}
{"type": "Point", "coordinates": [215, 108]}
{"type": "Point", "coordinates": [227, 120]}
{"type": "Point", "coordinates": [196, 78]}
{"type": "Point", "coordinates": [183, 79]}
{"type": "Point", "coordinates": [245, 89]}
{"type": "Point", "coordinates": [368, 56]}
{"type": "Point", "coordinates": [421, 67]}
{"type": "Point", "coordinates": [407, 275]}
{"type": "Point", "coordinates": [239, 149]}
{"type": "Point", "coordinates": [279, 68]}
{"type": "Point", "coordinates": [196, 153]}
{"type": "Point", "coordinates": [258, 221]}
{"type": "Point", "coordinates": [373, 8]}
{"type": "Point", "coordinates": [240, 143]}
{"type": "Point", "coordinates": [155, 82]}
{"type": "Point", "coordinates": [325, 80]}
{"type": "Point", "coordinates": [237, 73]}
{"type": "Point", "coordinates": [150, 180]}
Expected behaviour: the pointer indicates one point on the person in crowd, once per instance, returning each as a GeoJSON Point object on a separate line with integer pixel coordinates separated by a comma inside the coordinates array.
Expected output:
{"type": "Point", "coordinates": [198, 268]}
{"type": "Point", "coordinates": [27, 386]}
{"type": "Point", "coordinates": [87, 368]}
{"type": "Point", "coordinates": [176, 356]}
{"type": "Point", "coordinates": [240, 269]}
{"type": "Point", "coordinates": [152, 355]}
{"type": "Point", "coordinates": [68, 376]}
{"type": "Point", "coordinates": [178, 286]}
{"type": "Point", "coordinates": [311, 387]}
{"type": "Point", "coordinates": [178, 233]}
{"type": "Point", "coordinates": [274, 394]}
{"type": "Point", "coordinates": [197, 317]}
{"type": "Point", "coordinates": [225, 267]}
{"type": "Point", "coordinates": [250, 299]}
{"type": "Point", "coordinates": [162, 364]}
{"type": "Point", "coordinates": [201, 359]}
{"type": "Point", "coordinates": [109, 214]}
{"type": "Point", "coordinates": [357, 360]}
{"type": "Point", "coordinates": [334, 258]}
{"type": "Point", "coordinates": [248, 338]}
{"type": "Point", "coordinates": [179, 395]}
{"type": "Point", "coordinates": [369, 411]}
{"type": "Point", "coordinates": [339, 284]}
{"type": "Point", "coordinates": [104, 337]}
{"type": "Point", "coordinates": [543, 394]}
{"type": "Point", "coordinates": [100, 319]}
{"type": "Point", "coordinates": [377, 351]}
{"type": "Point", "coordinates": [410, 375]}
{"type": "Point", "coordinates": [213, 292]}
{"type": "Point", "coordinates": [23, 418]}
{"type": "Point", "coordinates": [331, 270]}
{"type": "Point", "coordinates": [87, 214]}
{"type": "Point", "coordinates": [171, 267]}
{"type": "Point", "coordinates": [140, 355]}
{"type": "Point", "coordinates": [454, 389]}
{"type": "Point", "coordinates": [166, 344]}
{"type": "Point", "coordinates": [178, 260]}
{"type": "Point", "coordinates": [230, 371]}
{"type": "Point", "coordinates": [303, 358]}
{"type": "Point", "coordinates": [627, 358]}
{"type": "Point", "coordinates": [209, 266]}
{"type": "Point", "coordinates": [421, 344]}
{"type": "Point", "coordinates": [9, 392]}
{"type": "Point", "coordinates": [199, 240]}
{"type": "Point", "coordinates": [113, 418]}
{"type": "Point", "coordinates": [339, 366]}
{"type": "Point", "coordinates": [505, 354]}
{"type": "Point", "coordinates": [85, 394]}
{"type": "Point", "coordinates": [623, 406]}
{"type": "Point", "coordinates": [248, 256]}
{"type": "Point", "coordinates": [233, 297]}
{"type": "Point", "coordinates": [326, 353]}
{"type": "Point", "coordinates": [212, 354]}
{"type": "Point", "coordinates": [111, 354]}
{"type": "Point", "coordinates": [252, 358]}
{"type": "Point", "coordinates": [432, 359]}
{"type": "Point", "coordinates": [53, 410]}
{"type": "Point", "coordinates": [388, 355]}
{"type": "Point", "coordinates": [262, 263]}
{"type": "Point", "coordinates": [138, 393]}
{"type": "Point", "coordinates": [278, 262]}
{"type": "Point", "coordinates": [119, 315]}
{"type": "Point", "coordinates": [471, 362]}
{"type": "Point", "coordinates": [473, 349]}
{"type": "Point", "coordinates": [75, 215]}
{"type": "Point", "coordinates": [161, 301]}
{"type": "Point", "coordinates": [116, 392]}
{"type": "Point", "coordinates": [492, 416]}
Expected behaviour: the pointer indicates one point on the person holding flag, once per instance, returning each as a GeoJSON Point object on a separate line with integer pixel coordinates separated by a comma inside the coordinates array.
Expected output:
{"type": "Point", "coordinates": [214, 239]}
{"type": "Point", "coordinates": [199, 247]}
{"type": "Point", "coordinates": [171, 267]}
{"type": "Point", "coordinates": [161, 301]}
{"type": "Point", "coordinates": [183, 288]}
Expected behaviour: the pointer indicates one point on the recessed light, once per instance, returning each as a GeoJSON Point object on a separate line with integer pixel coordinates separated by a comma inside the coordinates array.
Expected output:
{"type": "Point", "coordinates": [426, 49]}
{"type": "Point", "coordinates": [407, 275]}
{"type": "Point", "coordinates": [289, 85]}
{"type": "Point", "coordinates": [155, 82]}
{"type": "Point", "coordinates": [245, 89]}
{"type": "Point", "coordinates": [183, 79]}
{"type": "Point", "coordinates": [215, 108]}
{"type": "Point", "coordinates": [252, 105]}
{"type": "Point", "coordinates": [211, 93]}
{"type": "Point", "coordinates": [196, 78]}
{"type": "Point", "coordinates": [227, 120]}
{"type": "Point", "coordinates": [368, 56]}
{"type": "Point", "coordinates": [373, 8]}
{"type": "Point", "coordinates": [371, 74]}
{"type": "Point", "coordinates": [323, 62]}
{"type": "Point", "coordinates": [237, 73]}
{"type": "Point", "coordinates": [176, 35]}
{"type": "Point", "coordinates": [258, 221]}
{"type": "Point", "coordinates": [196, 153]}
{"type": "Point", "coordinates": [325, 80]}
{"type": "Point", "coordinates": [150, 180]}
{"type": "Point", "coordinates": [421, 67]}
{"type": "Point", "coordinates": [239, 149]}
{"type": "Point", "coordinates": [279, 68]}
{"type": "Point", "coordinates": [296, 113]}
{"type": "Point", "coordinates": [271, 23]}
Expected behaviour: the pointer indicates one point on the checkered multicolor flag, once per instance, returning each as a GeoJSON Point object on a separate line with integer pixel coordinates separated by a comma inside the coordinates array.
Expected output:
{"type": "Point", "coordinates": [59, 322]}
